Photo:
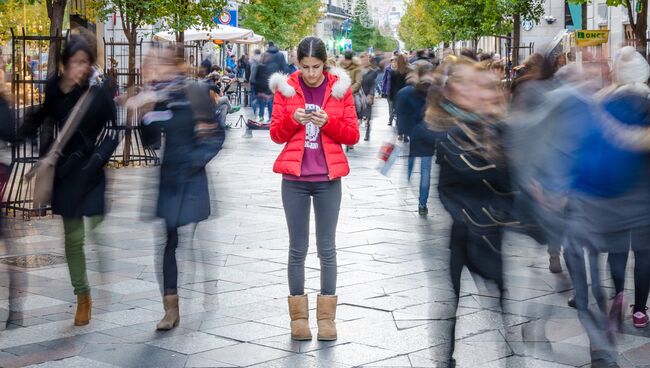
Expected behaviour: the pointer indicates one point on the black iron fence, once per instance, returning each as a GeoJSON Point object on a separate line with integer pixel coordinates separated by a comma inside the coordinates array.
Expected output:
{"type": "Point", "coordinates": [28, 79]}
{"type": "Point", "coordinates": [131, 151]}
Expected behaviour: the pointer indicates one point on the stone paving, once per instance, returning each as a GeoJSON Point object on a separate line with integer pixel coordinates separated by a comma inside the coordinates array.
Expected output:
{"type": "Point", "coordinates": [393, 292]}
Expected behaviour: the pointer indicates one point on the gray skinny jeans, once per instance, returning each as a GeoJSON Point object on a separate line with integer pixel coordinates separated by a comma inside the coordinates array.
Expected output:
{"type": "Point", "coordinates": [296, 198]}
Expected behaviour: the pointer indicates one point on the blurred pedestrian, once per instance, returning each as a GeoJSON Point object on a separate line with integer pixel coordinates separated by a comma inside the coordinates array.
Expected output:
{"type": "Point", "coordinates": [409, 108]}
{"type": "Point", "coordinates": [611, 185]}
{"type": "Point", "coordinates": [352, 66]}
{"type": "Point", "coordinates": [369, 73]}
{"type": "Point", "coordinates": [183, 109]}
{"type": "Point", "coordinates": [467, 114]}
{"type": "Point", "coordinates": [273, 61]}
{"type": "Point", "coordinates": [254, 63]}
{"type": "Point", "coordinates": [313, 116]}
{"type": "Point", "coordinates": [79, 184]}
{"type": "Point", "coordinates": [397, 82]}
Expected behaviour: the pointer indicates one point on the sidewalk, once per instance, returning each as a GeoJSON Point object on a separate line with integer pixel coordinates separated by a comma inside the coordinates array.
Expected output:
{"type": "Point", "coordinates": [392, 286]}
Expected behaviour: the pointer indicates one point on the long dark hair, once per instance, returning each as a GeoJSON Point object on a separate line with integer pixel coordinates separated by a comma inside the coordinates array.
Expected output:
{"type": "Point", "coordinates": [312, 47]}
{"type": "Point", "coordinates": [72, 46]}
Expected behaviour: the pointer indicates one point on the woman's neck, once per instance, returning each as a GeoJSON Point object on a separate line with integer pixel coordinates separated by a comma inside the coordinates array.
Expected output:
{"type": "Point", "coordinates": [317, 84]}
{"type": "Point", "coordinates": [66, 85]}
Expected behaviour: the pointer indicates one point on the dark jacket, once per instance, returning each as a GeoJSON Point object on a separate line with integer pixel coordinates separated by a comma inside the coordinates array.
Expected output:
{"type": "Point", "coordinates": [275, 59]}
{"type": "Point", "coordinates": [272, 62]}
{"type": "Point", "coordinates": [397, 82]}
{"type": "Point", "coordinates": [7, 121]}
{"type": "Point", "coordinates": [469, 187]}
{"type": "Point", "coordinates": [369, 81]}
{"type": "Point", "coordinates": [409, 108]}
{"type": "Point", "coordinates": [79, 185]}
{"type": "Point", "coordinates": [183, 194]}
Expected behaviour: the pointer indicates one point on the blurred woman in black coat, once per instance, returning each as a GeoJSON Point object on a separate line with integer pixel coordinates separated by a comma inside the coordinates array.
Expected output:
{"type": "Point", "coordinates": [79, 182]}
{"type": "Point", "coordinates": [184, 110]}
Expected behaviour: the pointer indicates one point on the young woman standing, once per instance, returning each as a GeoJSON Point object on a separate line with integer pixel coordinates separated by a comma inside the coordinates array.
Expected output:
{"type": "Point", "coordinates": [313, 115]}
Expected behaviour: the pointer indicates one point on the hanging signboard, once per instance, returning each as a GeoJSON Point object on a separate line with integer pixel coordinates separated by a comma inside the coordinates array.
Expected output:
{"type": "Point", "coordinates": [592, 37]}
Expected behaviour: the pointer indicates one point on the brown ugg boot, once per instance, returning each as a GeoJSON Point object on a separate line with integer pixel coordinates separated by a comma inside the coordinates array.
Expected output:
{"type": "Point", "coordinates": [299, 313]}
{"type": "Point", "coordinates": [172, 317]}
{"type": "Point", "coordinates": [325, 315]}
{"type": "Point", "coordinates": [84, 308]}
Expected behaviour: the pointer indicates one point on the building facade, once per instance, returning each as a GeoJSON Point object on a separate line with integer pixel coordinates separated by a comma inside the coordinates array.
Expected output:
{"type": "Point", "coordinates": [560, 15]}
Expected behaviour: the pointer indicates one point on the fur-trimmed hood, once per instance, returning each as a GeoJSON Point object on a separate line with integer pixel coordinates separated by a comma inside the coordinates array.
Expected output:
{"type": "Point", "coordinates": [287, 84]}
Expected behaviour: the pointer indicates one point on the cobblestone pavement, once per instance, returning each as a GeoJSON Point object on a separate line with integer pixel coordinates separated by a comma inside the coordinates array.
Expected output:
{"type": "Point", "coordinates": [393, 291]}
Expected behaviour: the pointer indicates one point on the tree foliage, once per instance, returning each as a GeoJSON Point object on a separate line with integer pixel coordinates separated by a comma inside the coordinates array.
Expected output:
{"type": "Point", "coordinates": [364, 34]}
{"type": "Point", "coordinates": [285, 22]}
{"type": "Point", "coordinates": [179, 15]}
{"type": "Point", "coordinates": [360, 13]}
{"type": "Point", "coordinates": [415, 27]}
{"type": "Point", "coordinates": [428, 22]}
{"type": "Point", "coordinates": [16, 14]}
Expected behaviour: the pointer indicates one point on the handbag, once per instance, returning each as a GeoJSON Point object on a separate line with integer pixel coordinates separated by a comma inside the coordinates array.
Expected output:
{"type": "Point", "coordinates": [42, 173]}
{"type": "Point", "coordinates": [360, 102]}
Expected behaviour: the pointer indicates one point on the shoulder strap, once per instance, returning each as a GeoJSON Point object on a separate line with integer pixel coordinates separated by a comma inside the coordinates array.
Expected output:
{"type": "Point", "coordinates": [71, 124]}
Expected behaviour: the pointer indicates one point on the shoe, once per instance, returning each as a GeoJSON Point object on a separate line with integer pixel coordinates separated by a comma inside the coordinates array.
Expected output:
{"type": "Point", "coordinates": [172, 317]}
{"type": "Point", "coordinates": [366, 138]}
{"type": "Point", "coordinates": [571, 302]}
{"type": "Point", "coordinates": [554, 264]}
{"type": "Point", "coordinates": [234, 109]}
{"type": "Point", "coordinates": [299, 313]}
{"type": "Point", "coordinates": [423, 211]}
{"type": "Point", "coordinates": [84, 310]}
{"type": "Point", "coordinates": [325, 316]}
{"type": "Point", "coordinates": [390, 124]}
{"type": "Point", "coordinates": [640, 317]}
{"type": "Point", "coordinates": [615, 319]}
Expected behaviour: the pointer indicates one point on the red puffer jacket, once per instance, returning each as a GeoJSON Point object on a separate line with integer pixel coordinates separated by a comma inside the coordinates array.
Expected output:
{"type": "Point", "coordinates": [341, 127]}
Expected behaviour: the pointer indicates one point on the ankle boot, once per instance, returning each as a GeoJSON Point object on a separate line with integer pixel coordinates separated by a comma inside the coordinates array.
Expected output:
{"type": "Point", "coordinates": [172, 317]}
{"type": "Point", "coordinates": [299, 313]}
{"type": "Point", "coordinates": [84, 307]}
{"type": "Point", "coordinates": [325, 314]}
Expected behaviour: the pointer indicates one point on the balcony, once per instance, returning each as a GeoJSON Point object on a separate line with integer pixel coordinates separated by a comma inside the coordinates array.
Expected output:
{"type": "Point", "coordinates": [336, 11]}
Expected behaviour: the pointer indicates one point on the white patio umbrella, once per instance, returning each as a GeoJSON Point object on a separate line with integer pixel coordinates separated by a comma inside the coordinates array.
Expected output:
{"type": "Point", "coordinates": [252, 40]}
{"type": "Point", "coordinates": [219, 32]}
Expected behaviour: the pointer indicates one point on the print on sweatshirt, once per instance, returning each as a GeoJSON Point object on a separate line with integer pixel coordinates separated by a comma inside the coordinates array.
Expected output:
{"type": "Point", "coordinates": [311, 130]}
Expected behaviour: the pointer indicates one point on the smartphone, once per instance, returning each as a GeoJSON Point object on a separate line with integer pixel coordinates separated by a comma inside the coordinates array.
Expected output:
{"type": "Point", "coordinates": [310, 110]}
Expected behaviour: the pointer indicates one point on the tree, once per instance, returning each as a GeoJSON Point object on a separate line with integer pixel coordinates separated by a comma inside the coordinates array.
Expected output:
{"type": "Point", "coordinates": [179, 15]}
{"type": "Point", "coordinates": [415, 27]}
{"type": "Point", "coordinates": [364, 34]}
{"type": "Point", "coordinates": [531, 10]}
{"type": "Point", "coordinates": [133, 15]}
{"type": "Point", "coordinates": [639, 23]}
{"type": "Point", "coordinates": [55, 11]}
{"type": "Point", "coordinates": [454, 20]}
{"type": "Point", "coordinates": [360, 13]}
{"type": "Point", "coordinates": [361, 36]}
{"type": "Point", "coordinates": [285, 22]}
{"type": "Point", "coordinates": [17, 14]}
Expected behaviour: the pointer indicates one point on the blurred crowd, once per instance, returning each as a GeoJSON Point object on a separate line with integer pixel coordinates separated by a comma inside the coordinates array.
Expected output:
{"type": "Point", "coordinates": [554, 149]}
{"type": "Point", "coordinates": [558, 153]}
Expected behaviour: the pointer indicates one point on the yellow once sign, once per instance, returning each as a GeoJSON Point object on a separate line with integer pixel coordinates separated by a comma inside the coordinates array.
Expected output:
{"type": "Point", "coordinates": [592, 38]}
